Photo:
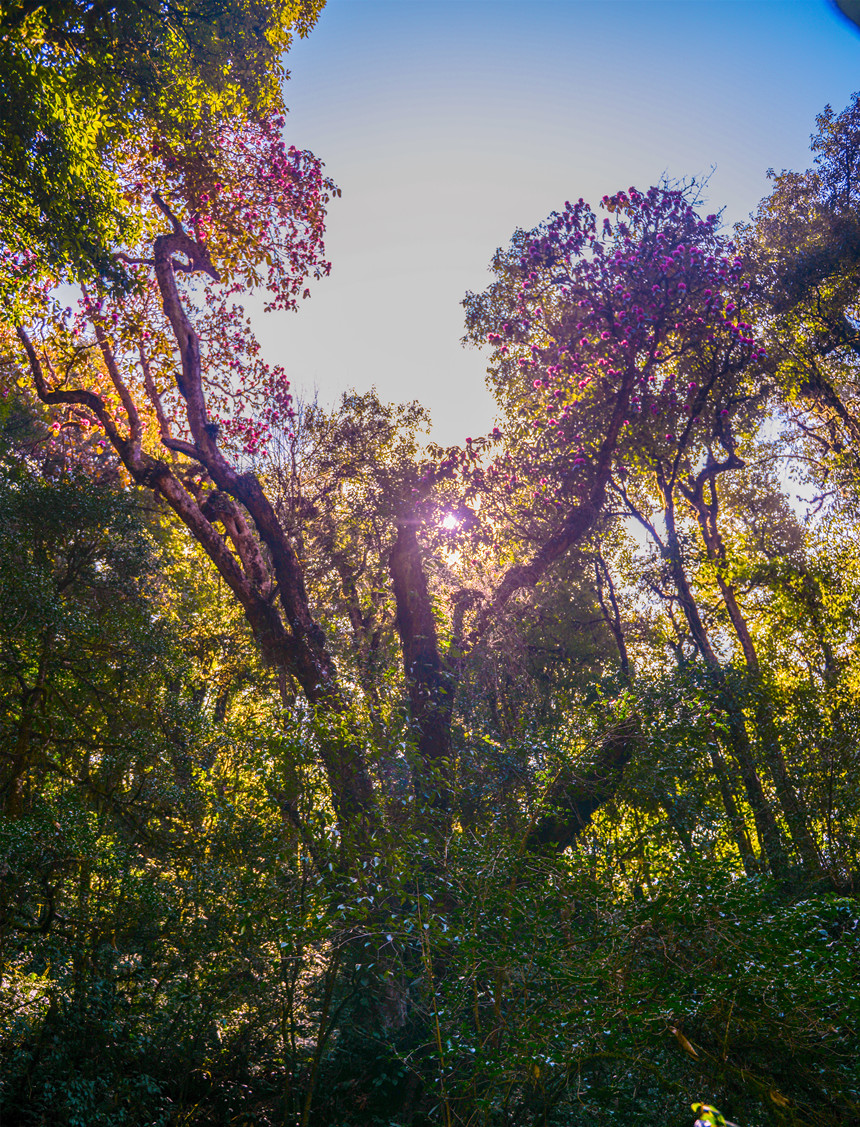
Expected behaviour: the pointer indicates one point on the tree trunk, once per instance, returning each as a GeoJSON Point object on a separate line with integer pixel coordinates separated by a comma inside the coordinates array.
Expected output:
{"type": "Point", "coordinates": [431, 684]}
{"type": "Point", "coordinates": [571, 800]}
{"type": "Point", "coordinates": [793, 808]}
{"type": "Point", "coordinates": [766, 825]}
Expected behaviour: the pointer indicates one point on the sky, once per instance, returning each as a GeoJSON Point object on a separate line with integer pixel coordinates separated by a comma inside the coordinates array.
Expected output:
{"type": "Point", "coordinates": [448, 124]}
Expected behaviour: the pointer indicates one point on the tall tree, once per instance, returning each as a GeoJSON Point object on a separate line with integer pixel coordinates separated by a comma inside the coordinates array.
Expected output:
{"type": "Point", "coordinates": [379, 585]}
{"type": "Point", "coordinates": [803, 250]}
{"type": "Point", "coordinates": [618, 343]}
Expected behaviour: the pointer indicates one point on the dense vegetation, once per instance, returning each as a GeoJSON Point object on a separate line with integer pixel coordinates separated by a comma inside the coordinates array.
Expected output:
{"type": "Point", "coordinates": [349, 780]}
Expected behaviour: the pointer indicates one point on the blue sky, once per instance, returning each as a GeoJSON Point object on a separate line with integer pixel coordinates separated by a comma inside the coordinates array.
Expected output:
{"type": "Point", "coordinates": [449, 123]}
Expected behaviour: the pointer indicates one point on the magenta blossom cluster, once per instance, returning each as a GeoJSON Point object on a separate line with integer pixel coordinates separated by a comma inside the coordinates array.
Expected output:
{"type": "Point", "coordinates": [625, 339]}
{"type": "Point", "coordinates": [262, 217]}
{"type": "Point", "coordinates": [247, 398]}
{"type": "Point", "coordinates": [255, 210]}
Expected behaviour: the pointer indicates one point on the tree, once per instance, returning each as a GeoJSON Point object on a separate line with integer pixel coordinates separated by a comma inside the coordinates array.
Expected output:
{"type": "Point", "coordinates": [609, 324]}
{"type": "Point", "coordinates": [417, 789]}
{"type": "Point", "coordinates": [82, 83]}
{"type": "Point", "coordinates": [803, 250]}
{"type": "Point", "coordinates": [640, 353]}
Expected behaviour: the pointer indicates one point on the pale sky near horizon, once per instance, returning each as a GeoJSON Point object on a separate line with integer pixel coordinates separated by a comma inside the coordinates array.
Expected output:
{"type": "Point", "coordinates": [449, 123]}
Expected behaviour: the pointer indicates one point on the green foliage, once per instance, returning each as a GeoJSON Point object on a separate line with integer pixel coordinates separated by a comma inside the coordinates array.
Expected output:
{"type": "Point", "coordinates": [84, 83]}
{"type": "Point", "coordinates": [186, 937]}
{"type": "Point", "coordinates": [642, 891]}
{"type": "Point", "coordinates": [707, 1116]}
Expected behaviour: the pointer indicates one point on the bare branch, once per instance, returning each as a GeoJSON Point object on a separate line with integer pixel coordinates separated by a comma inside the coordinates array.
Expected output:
{"type": "Point", "coordinates": [163, 207]}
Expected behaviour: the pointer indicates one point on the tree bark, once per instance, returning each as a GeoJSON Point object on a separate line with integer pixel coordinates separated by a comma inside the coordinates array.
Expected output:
{"type": "Point", "coordinates": [431, 683]}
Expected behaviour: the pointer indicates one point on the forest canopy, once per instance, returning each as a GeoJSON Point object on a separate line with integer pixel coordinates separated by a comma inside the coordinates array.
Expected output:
{"type": "Point", "coordinates": [349, 779]}
{"type": "Point", "coordinates": [88, 85]}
